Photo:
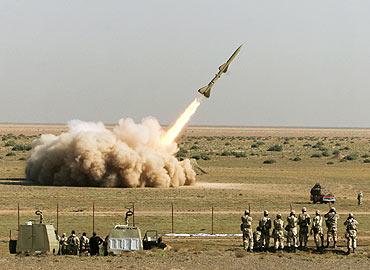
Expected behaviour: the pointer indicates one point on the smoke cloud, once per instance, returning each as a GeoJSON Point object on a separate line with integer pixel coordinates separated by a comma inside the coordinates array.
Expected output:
{"type": "Point", "coordinates": [130, 155]}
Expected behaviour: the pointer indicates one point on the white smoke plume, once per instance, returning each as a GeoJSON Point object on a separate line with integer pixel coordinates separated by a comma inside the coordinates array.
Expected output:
{"type": "Point", "coordinates": [131, 155]}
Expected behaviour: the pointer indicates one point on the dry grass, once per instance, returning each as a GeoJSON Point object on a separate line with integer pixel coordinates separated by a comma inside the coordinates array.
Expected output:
{"type": "Point", "coordinates": [230, 185]}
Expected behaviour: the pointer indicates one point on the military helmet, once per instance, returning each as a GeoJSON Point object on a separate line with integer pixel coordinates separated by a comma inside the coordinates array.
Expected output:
{"type": "Point", "coordinates": [304, 209]}
{"type": "Point", "coordinates": [292, 212]}
{"type": "Point", "coordinates": [246, 212]}
{"type": "Point", "coordinates": [350, 215]}
{"type": "Point", "coordinates": [317, 212]}
{"type": "Point", "coordinates": [332, 209]}
{"type": "Point", "coordinates": [278, 215]}
{"type": "Point", "coordinates": [266, 213]}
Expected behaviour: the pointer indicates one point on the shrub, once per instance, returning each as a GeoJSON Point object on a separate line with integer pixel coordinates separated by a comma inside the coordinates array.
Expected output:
{"type": "Point", "coordinates": [325, 153]}
{"type": "Point", "coordinates": [316, 155]}
{"type": "Point", "coordinates": [22, 158]}
{"type": "Point", "coordinates": [10, 154]}
{"type": "Point", "coordinates": [10, 143]}
{"type": "Point", "coordinates": [330, 162]}
{"type": "Point", "coordinates": [239, 154]}
{"type": "Point", "coordinates": [269, 161]}
{"type": "Point", "coordinates": [352, 156]}
{"type": "Point", "coordinates": [366, 160]}
{"type": "Point", "coordinates": [196, 156]}
{"type": "Point", "coordinates": [22, 147]}
{"type": "Point", "coordinates": [276, 148]}
{"type": "Point", "coordinates": [181, 153]}
{"type": "Point", "coordinates": [336, 152]}
{"type": "Point", "coordinates": [307, 145]}
{"type": "Point", "coordinates": [227, 143]}
{"type": "Point", "coordinates": [194, 147]}
{"type": "Point", "coordinates": [365, 156]}
{"type": "Point", "coordinates": [296, 159]}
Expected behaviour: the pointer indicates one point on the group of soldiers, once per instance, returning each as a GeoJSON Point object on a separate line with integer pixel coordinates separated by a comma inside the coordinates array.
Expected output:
{"type": "Point", "coordinates": [296, 230]}
{"type": "Point", "coordinates": [74, 245]}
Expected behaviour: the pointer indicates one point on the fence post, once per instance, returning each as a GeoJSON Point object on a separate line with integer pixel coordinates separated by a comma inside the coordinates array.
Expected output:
{"type": "Point", "coordinates": [18, 216]}
{"type": "Point", "coordinates": [172, 230]}
{"type": "Point", "coordinates": [133, 214]}
{"type": "Point", "coordinates": [93, 217]}
{"type": "Point", "coordinates": [57, 218]}
{"type": "Point", "coordinates": [212, 222]}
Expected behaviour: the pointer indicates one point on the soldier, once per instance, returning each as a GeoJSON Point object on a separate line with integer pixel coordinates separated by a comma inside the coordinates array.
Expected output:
{"type": "Point", "coordinates": [246, 228]}
{"type": "Point", "coordinates": [331, 223]}
{"type": "Point", "coordinates": [257, 239]}
{"type": "Point", "coordinates": [265, 225]}
{"type": "Point", "coordinates": [291, 228]}
{"type": "Point", "coordinates": [278, 233]}
{"type": "Point", "coordinates": [304, 220]}
{"type": "Point", "coordinates": [317, 230]}
{"type": "Point", "coordinates": [351, 232]}
{"type": "Point", "coordinates": [95, 242]}
{"type": "Point", "coordinates": [63, 244]}
{"type": "Point", "coordinates": [73, 244]}
{"type": "Point", "coordinates": [360, 198]}
{"type": "Point", "coordinates": [84, 244]}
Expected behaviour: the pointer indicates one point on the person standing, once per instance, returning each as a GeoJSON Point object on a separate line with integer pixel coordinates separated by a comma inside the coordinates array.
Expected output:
{"type": "Point", "coordinates": [265, 225]}
{"type": "Point", "coordinates": [246, 228]}
{"type": "Point", "coordinates": [278, 233]}
{"type": "Point", "coordinates": [73, 244]}
{"type": "Point", "coordinates": [292, 241]}
{"type": "Point", "coordinates": [332, 226]}
{"type": "Point", "coordinates": [84, 244]}
{"type": "Point", "coordinates": [63, 244]}
{"type": "Point", "coordinates": [95, 242]}
{"type": "Point", "coordinates": [351, 232]}
{"type": "Point", "coordinates": [304, 220]}
{"type": "Point", "coordinates": [360, 198]}
{"type": "Point", "coordinates": [317, 230]}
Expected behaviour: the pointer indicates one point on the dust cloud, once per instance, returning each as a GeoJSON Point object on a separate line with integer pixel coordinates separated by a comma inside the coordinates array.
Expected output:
{"type": "Point", "coordinates": [130, 155]}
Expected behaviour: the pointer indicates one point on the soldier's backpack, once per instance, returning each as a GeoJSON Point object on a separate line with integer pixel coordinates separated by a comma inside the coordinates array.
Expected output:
{"type": "Point", "coordinates": [72, 241]}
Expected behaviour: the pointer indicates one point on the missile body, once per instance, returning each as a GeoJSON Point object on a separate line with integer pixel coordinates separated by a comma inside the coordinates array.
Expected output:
{"type": "Point", "coordinates": [206, 90]}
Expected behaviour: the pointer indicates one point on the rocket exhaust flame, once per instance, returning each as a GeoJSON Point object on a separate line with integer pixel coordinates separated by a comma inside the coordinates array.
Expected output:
{"type": "Point", "coordinates": [171, 134]}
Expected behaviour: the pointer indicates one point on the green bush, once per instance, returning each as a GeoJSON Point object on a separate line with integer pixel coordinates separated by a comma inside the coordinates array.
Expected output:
{"type": "Point", "coordinates": [326, 153]}
{"type": "Point", "coordinates": [10, 143]}
{"type": "Point", "coordinates": [365, 156]}
{"type": "Point", "coordinates": [269, 161]}
{"type": "Point", "coordinates": [10, 154]}
{"type": "Point", "coordinates": [22, 147]}
{"type": "Point", "coordinates": [239, 154]}
{"type": "Point", "coordinates": [181, 153]}
{"type": "Point", "coordinates": [352, 156]}
{"type": "Point", "coordinates": [366, 160]}
{"type": "Point", "coordinates": [196, 156]}
{"type": "Point", "coordinates": [226, 153]}
{"type": "Point", "coordinates": [330, 162]}
{"type": "Point", "coordinates": [336, 152]}
{"type": "Point", "coordinates": [316, 155]}
{"type": "Point", "coordinates": [276, 148]}
{"type": "Point", "coordinates": [194, 147]}
{"type": "Point", "coordinates": [296, 159]}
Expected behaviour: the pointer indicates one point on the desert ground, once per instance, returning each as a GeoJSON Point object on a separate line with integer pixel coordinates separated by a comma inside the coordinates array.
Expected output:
{"type": "Point", "coordinates": [268, 168]}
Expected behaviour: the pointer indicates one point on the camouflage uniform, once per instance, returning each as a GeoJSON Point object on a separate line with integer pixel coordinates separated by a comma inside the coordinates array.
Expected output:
{"type": "Point", "coordinates": [265, 225]}
{"type": "Point", "coordinates": [291, 228]}
{"type": "Point", "coordinates": [360, 198]}
{"type": "Point", "coordinates": [304, 220]}
{"type": "Point", "coordinates": [73, 244]}
{"type": "Point", "coordinates": [331, 223]}
{"type": "Point", "coordinates": [257, 239]}
{"type": "Point", "coordinates": [278, 233]}
{"type": "Point", "coordinates": [317, 230]}
{"type": "Point", "coordinates": [84, 244]}
{"type": "Point", "coordinates": [246, 228]}
{"type": "Point", "coordinates": [63, 244]}
{"type": "Point", "coordinates": [351, 232]}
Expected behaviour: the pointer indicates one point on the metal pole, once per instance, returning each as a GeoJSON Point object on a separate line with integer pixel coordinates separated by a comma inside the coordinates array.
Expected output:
{"type": "Point", "coordinates": [10, 234]}
{"type": "Point", "coordinates": [133, 214]}
{"type": "Point", "coordinates": [93, 218]}
{"type": "Point", "coordinates": [172, 230]}
{"type": "Point", "coordinates": [212, 222]}
{"type": "Point", "coordinates": [18, 216]}
{"type": "Point", "coordinates": [57, 218]}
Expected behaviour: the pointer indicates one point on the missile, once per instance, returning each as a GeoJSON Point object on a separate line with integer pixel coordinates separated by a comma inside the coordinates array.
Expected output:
{"type": "Point", "coordinates": [206, 90]}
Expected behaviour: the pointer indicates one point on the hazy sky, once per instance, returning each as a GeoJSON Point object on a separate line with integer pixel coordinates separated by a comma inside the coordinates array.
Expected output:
{"type": "Point", "coordinates": [304, 63]}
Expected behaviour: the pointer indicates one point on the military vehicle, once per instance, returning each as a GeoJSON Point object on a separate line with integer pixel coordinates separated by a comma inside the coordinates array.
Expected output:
{"type": "Point", "coordinates": [151, 239]}
{"type": "Point", "coordinates": [36, 238]}
{"type": "Point", "coordinates": [124, 238]}
{"type": "Point", "coordinates": [321, 195]}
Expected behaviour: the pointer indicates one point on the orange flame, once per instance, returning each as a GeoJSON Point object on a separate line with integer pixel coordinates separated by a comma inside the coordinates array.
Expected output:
{"type": "Point", "coordinates": [184, 118]}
